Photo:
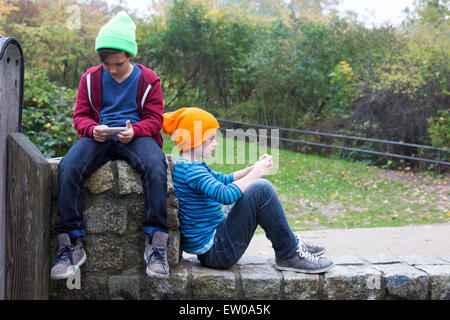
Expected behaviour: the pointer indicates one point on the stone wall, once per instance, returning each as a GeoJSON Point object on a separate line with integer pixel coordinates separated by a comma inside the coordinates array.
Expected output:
{"type": "Point", "coordinates": [352, 278]}
{"type": "Point", "coordinates": [113, 209]}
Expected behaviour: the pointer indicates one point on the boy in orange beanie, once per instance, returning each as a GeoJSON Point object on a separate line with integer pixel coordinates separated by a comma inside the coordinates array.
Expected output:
{"type": "Point", "coordinates": [218, 240]}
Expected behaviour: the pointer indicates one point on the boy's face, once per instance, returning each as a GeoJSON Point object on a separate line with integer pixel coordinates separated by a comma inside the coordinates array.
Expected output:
{"type": "Point", "coordinates": [208, 146]}
{"type": "Point", "coordinates": [117, 64]}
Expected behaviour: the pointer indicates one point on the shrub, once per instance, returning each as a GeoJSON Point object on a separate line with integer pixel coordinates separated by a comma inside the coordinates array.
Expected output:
{"type": "Point", "coordinates": [47, 114]}
{"type": "Point", "coordinates": [439, 129]}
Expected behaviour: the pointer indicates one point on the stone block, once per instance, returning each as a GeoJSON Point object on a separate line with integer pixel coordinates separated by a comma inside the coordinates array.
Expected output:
{"type": "Point", "coordinates": [404, 282]}
{"type": "Point", "coordinates": [382, 259]}
{"type": "Point", "coordinates": [134, 205]}
{"type": "Point", "coordinates": [300, 286]}
{"type": "Point", "coordinates": [91, 287]}
{"type": "Point", "coordinates": [173, 250]}
{"type": "Point", "coordinates": [439, 280]}
{"type": "Point", "coordinates": [174, 288]}
{"type": "Point", "coordinates": [129, 180]}
{"type": "Point", "coordinates": [346, 260]}
{"type": "Point", "coordinates": [415, 259]}
{"type": "Point", "coordinates": [172, 212]}
{"type": "Point", "coordinates": [124, 287]}
{"type": "Point", "coordinates": [54, 164]}
{"type": "Point", "coordinates": [446, 259]}
{"type": "Point", "coordinates": [352, 283]}
{"type": "Point", "coordinates": [105, 216]}
{"type": "Point", "coordinates": [211, 284]}
{"type": "Point", "coordinates": [101, 180]}
{"type": "Point", "coordinates": [95, 288]}
{"type": "Point", "coordinates": [170, 165]}
{"type": "Point", "coordinates": [104, 253]}
{"type": "Point", "coordinates": [254, 260]}
{"type": "Point", "coordinates": [260, 282]}
{"type": "Point", "coordinates": [133, 253]}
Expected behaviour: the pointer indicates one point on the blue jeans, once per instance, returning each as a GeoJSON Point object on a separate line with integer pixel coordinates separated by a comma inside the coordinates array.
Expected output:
{"type": "Point", "coordinates": [87, 155]}
{"type": "Point", "coordinates": [259, 205]}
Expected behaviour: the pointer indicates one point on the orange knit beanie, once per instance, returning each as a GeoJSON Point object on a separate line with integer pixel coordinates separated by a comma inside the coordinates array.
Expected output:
{"type": "Point", "coordinates": [190, 127]}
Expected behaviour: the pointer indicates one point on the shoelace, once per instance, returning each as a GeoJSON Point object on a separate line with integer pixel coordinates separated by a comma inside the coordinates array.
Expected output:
{"type": "Point", "coordinates": [158, 254]}
{"type": "Point", "coordinates": [63, 254]}
{"type": "Point", "coordinates": [303, 251]}
{"type": "Point", "coordinates": [302, 242]}
{"type": "Point", "coordinates": [306, 254]}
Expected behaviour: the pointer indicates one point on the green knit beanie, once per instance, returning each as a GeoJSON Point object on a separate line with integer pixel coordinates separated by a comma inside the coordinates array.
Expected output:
{"type": "Point", "coordinates": [119, 33]}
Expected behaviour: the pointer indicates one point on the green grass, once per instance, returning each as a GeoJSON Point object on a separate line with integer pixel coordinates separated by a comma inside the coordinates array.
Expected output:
{"type": "Point", "coordinates": [327, 193]}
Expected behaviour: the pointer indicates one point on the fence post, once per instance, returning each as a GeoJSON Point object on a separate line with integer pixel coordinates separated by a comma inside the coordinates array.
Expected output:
{"type": "Point", "coordinates": [389, 158]}
{"type": "Point", "coordinates": [439, 164]}
{"type": "Point", "coordinates": [304, 145]}
{"type": "Point", "coordinates": [27, 221]}
{"type": "Point", "coordinates": [11, 97]}
{"type": "Point", "coordinates": [343, 146]}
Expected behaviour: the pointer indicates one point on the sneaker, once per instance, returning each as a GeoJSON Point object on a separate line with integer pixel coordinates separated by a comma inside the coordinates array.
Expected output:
{"type": "Point", "coordinates": [155, 256]}
{"type": "Point", "coordinates": [70, 257]}
{"type": "Point", "coordinates": [304, 261]}
{"type": "Point", "coordinates": [313, 249]}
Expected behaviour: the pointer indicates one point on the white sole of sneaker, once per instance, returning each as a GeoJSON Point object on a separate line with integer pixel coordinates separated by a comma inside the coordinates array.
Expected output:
{"type": "Point", "coordinates": [156, 275]}
{"type": "Point", "coordinates": [325, 269]}
{"type": "Point", "coordinates": [72, 271]}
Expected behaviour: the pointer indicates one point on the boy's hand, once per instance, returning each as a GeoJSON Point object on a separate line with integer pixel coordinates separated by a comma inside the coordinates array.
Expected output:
{"type": "Point", "coordinates": [263, 167]}
{"type": "Point", "coordinates": [265, 155]}
{"type": "Point", "coordinates": [99, 135]}
{"type": "Point", "coordinates": [126, 136]}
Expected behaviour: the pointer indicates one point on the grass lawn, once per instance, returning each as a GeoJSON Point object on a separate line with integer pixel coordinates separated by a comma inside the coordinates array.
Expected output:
{"type": "Point", "coordinates": [327, 193]}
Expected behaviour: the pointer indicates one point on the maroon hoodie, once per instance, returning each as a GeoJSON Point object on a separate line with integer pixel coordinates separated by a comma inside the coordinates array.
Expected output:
{"type": "Point", "coordinates": [149, 100]}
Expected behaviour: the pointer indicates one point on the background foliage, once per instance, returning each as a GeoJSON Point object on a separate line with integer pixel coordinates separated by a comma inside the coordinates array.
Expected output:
{"type": "Point", "coordinates": [292, 64]}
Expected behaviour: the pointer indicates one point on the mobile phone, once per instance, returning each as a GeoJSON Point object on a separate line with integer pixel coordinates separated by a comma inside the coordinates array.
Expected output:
{"type": "Point", "coordinates": [114, 129]}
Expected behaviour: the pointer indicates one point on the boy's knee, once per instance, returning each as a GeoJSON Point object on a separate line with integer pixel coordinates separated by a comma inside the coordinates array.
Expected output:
{"type": "Point", "coordinates": [262, 185]}
{"type": "Point", "coordinates": [68, 166]}
{"type": "Point", "coordinates": [154, 161]}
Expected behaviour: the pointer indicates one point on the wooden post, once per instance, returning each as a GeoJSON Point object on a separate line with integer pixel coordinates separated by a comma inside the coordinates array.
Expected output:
{"type": "Point", "coordinates": [11, 97]}
{"type": "Point", "coordinates": [27, 220]}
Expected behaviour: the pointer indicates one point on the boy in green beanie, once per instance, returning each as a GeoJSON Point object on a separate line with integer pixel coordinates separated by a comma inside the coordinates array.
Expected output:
{"type": "Point", "coordinates": [118, 115]}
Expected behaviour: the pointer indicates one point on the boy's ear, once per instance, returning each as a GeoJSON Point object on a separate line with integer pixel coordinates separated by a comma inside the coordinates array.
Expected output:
{"type": "Point", "coordinates": [182, 137]}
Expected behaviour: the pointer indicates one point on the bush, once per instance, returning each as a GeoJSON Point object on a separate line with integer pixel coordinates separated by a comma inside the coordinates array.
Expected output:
{"type": "Point", "coordinates": [439, 129]}
{"type": "Point", "coordinates": [47, 114]}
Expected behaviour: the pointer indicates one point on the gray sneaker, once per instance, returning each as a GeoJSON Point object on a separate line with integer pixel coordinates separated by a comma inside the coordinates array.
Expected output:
{"type": "Point", "coordinates": [313, 249]}
{"type": "Point", "coordinates": [155, 256]}
{"type": "Point", "coordinates": [304, 261]}
{"type": "Point", "coordinates": [70, 257]}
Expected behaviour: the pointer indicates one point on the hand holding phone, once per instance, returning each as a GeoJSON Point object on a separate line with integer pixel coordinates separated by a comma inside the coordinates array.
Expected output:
{"type": "Point", "coordinates": [114, 129]}
{"type": "Point", "coordinates": [99, 135]}
{"type": "Point", "coordinates": [126, 135]}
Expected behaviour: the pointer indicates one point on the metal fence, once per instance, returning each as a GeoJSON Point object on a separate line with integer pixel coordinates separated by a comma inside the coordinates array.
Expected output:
{"type": "Point", "coordinates": [441, 153]}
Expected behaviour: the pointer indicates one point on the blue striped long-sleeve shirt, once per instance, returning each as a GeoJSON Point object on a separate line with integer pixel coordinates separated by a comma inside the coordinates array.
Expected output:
{"type": "Point", "coordinates": [200, 193]}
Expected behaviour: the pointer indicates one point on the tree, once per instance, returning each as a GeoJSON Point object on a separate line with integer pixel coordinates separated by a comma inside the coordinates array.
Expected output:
{"type": "Point", "coordinates": [6, 8]}
{"type": "Point", "coordinates": [432, 11]}
{"type": "Point", "coordinates": [50, 40]}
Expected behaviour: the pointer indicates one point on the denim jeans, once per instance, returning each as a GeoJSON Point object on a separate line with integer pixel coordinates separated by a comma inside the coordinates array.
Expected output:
{"type": "Point", "coordinates": [87, 155]}
{"type": "Point", "coordinates": [259, 205]}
